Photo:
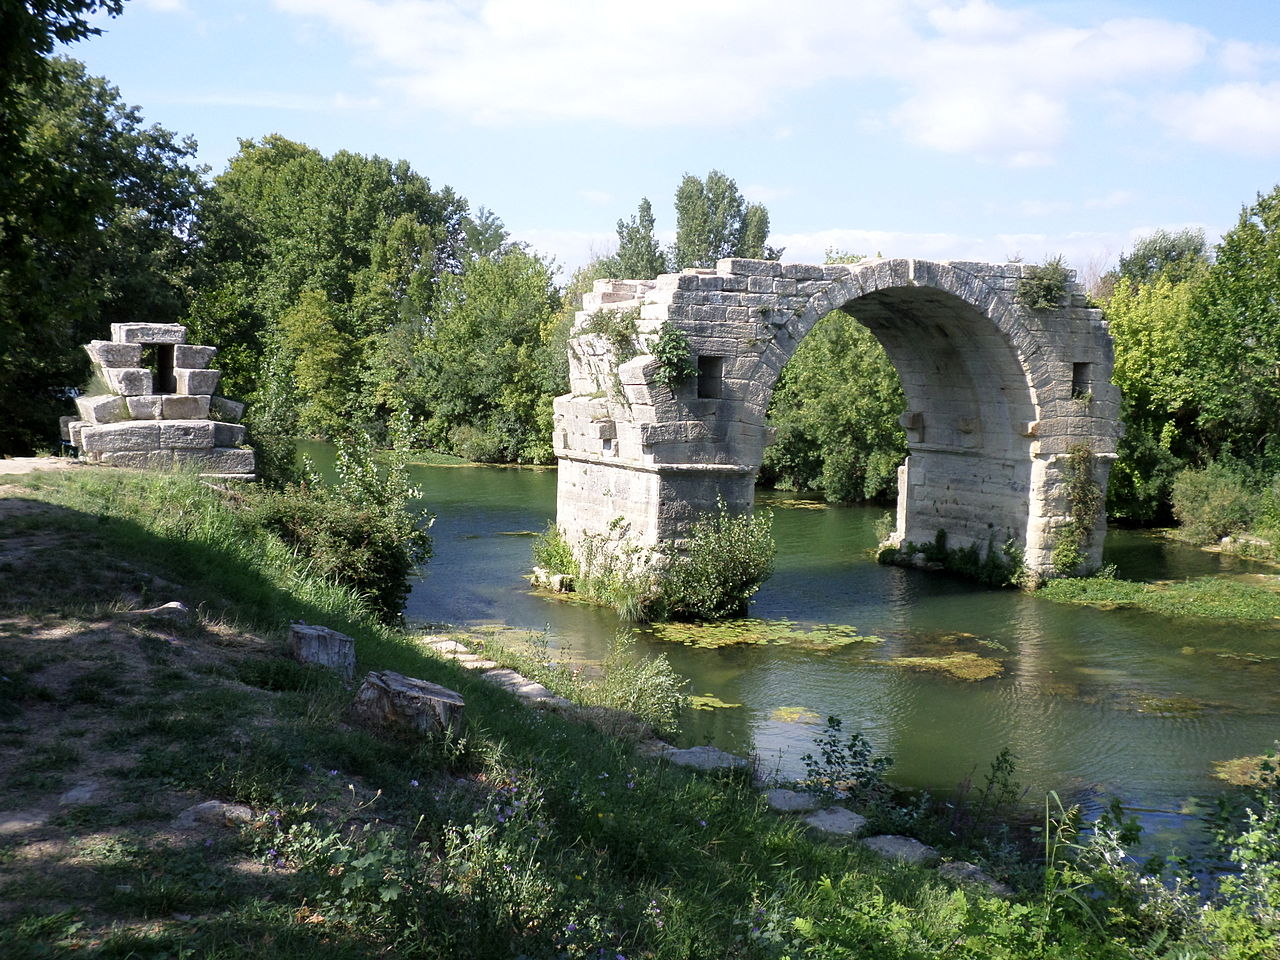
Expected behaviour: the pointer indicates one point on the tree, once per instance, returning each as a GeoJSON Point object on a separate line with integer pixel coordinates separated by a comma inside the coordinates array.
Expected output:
{"type": "Point", "coordinates": [1236, 310]}
{"type": "Point", "coordinates": [370, 236]}
{"type": "Point", "coordinates": [1177, 256]}
{"type": "Point", "coordinates": [486, 366]}
{"type": "Point", "coordinates": [713, 220]}
{"type": "Point", "coordinates": [99, 235]}
{"type": "Point", "coordinates": [639, 257]}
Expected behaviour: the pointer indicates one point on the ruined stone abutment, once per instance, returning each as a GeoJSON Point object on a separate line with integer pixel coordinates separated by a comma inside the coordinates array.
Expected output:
{"type": "Point", "coordinates": [997, 396]}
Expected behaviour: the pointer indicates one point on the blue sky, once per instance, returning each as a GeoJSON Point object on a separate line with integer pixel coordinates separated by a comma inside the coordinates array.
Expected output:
{"type": "Point", "coordinates": [964, 130]}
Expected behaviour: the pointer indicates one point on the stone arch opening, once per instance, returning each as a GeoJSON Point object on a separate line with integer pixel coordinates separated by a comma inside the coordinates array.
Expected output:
{"type": "Point", "coordinates": [993, 399]}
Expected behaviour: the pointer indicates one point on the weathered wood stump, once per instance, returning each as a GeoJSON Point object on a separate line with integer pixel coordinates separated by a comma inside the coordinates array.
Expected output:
{"type": "Point", "coordinates": [329, 648]}
{"type": "Point", "coordinates": [392, 703]}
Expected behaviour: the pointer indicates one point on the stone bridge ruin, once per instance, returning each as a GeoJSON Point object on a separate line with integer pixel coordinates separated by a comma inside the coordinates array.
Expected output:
{"type": "Point", "coordinates": [997, 396]}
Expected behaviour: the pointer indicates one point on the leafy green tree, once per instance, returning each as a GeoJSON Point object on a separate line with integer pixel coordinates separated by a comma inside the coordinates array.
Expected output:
{"type": "Point", "coordinates": [1156, 347]}
{"type": "Point", "coordinates": [639, 257]}
{"type": "Point", "coordinates": [372, 236]}
{"type": "Point", "coordinates": [486, 365]}
{"type": "Point", "coordinates": [713, 220]}
{"type": "Point", "coordinates": [485, 233]}
{"type": "Point", "coordinates": [321, 354]}
{"type": "Point", "coordinates": [1178, 256]}
{"type": "Point", "coordinates": [93, 233]}
{"type": "Point", "coordinates": [1237, 314]}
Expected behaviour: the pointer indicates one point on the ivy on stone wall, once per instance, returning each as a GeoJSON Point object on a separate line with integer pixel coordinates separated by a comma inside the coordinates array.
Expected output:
{"type": "Point", "coordinates": [674, 356]}
{"type": "Point", "coordinates": [1085, 497]}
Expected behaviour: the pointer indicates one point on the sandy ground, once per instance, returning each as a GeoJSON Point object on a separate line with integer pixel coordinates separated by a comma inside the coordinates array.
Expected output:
{"type": "Point", "coordinates": [31, 464]}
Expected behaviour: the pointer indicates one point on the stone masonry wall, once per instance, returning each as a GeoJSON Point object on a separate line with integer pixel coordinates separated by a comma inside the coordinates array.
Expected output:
{"type": "Point", "coordinates": [996, 397]}
{"type": "Point", "coordinates": [136, 423]}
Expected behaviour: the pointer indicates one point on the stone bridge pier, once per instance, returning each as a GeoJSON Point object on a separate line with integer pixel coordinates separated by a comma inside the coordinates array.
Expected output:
{"type": "Point", "coordinates": [997, 396]}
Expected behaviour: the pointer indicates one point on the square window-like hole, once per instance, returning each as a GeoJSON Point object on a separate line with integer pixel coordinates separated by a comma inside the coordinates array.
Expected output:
{"type": "Point", "coordinates": [710, 378]}
{"type": "Point", "coordinates": [1081, 381]}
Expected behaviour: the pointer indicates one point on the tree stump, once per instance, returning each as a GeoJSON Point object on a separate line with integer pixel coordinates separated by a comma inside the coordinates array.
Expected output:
{"type": "Point", "coordinates": [329, 648]}
{"type": "Point", "coordinates": [393, 703]}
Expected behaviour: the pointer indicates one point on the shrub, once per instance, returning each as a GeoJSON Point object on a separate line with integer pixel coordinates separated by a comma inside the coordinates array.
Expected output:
{"type": "Point", "coordinates": [674, 356]}
{"type": "Point", "coordinates": [1211, 503]}
{"type": "Point", "coordinates": [1043, 287]}
{"type": "Point", "coordinates": [361, 531]}
{"type": "Point", "coordinates": [729, 556]}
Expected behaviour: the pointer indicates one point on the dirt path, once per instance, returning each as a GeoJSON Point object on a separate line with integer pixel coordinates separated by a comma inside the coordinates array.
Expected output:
{"type": "Point", "coordinates": [32, 464]}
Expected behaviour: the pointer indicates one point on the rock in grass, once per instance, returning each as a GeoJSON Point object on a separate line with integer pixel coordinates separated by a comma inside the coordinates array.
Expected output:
{"type": "Point", "coordinates": [173, 610]}
{"type": "Point", "coordinates": [329, 648]}
{"type": "Point", "coordinates": [905, 849]}
{"type": "Point", "coordinates": [837, 821]}
{"type": "Point", "coordinates": [521, 686]}
{"type": "Point", "coordinates": [215, 813]}
{"type": "Point", "coordinates": [963, 872]}
{"type": "Point", "coordinates": [705, 758]}
{"type": "Point", "coordinates": [791, 801]}
{"type": "Point", "coordinates": [392, 703]}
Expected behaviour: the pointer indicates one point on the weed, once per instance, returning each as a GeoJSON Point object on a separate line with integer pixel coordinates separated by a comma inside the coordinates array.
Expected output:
{"type": "Point", "coordinates": [1043, 287]}
{"type": "Point", "coordinates": [845, 766]}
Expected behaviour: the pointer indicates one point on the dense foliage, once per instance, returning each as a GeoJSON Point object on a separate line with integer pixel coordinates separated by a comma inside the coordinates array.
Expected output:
{"type": "Point", "coordinates": [95, 209]}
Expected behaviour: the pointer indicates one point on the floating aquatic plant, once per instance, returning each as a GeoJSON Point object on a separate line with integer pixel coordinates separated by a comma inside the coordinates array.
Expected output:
{"type": "Point", "coordinates": [962, 666]}
{"type": "Point", "coordinates": [731, 633]}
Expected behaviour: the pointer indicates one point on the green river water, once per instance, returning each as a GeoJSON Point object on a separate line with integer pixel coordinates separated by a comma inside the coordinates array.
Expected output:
{"type": "Point", "coordinates": [1093, 703]}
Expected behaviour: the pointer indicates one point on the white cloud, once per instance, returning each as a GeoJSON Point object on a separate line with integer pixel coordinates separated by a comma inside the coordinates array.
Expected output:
{"type": "Point", "coordinates": [165, 6]}
{"type": "Point", "coordinates": [973, 78]}
{"type": "Point", "coordinates": [1234, 117]}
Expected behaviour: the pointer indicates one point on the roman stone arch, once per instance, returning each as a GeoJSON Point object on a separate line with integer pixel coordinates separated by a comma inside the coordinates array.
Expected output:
{"type": "Point", "coordinates": [998, 396]}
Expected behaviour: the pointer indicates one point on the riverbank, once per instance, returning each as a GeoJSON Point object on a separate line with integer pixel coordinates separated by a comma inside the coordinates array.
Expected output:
{"type": "Point", "coordinates": [178, 786]}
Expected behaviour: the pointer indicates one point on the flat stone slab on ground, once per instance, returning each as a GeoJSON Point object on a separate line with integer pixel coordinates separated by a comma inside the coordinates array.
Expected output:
{"type": "Point", "coordinates": [961, 871]}
{"type": "Point", "coordinates": [21, 821]}
{"type": "Point", "coordinates": [791, 801]}
{"type": "Point", "coordinates": [837, 821]}
{"type": "Point", "coordinates": [522, 687]}
{"type": "Point", "coordinates": [443, 645]}
{"type": "Point", "coordinates": [705, 758]}
{"type": "Point", "coordinates": [82, 792]}
{"type": "Point", "coordinates": [216, 813]}
{"type": "Point", "coordinates": [906, 849]}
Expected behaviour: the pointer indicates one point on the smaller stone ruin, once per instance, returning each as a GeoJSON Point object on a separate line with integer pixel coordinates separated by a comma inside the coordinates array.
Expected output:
{"type": "Point", "coordinates": [159, 411]}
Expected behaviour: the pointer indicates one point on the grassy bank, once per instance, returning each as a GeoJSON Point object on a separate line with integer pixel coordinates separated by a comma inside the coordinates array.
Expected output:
{"type": "Point", "coordinates": [534, 834]}
{"type": "Point", "coordinates": [1212, 598]}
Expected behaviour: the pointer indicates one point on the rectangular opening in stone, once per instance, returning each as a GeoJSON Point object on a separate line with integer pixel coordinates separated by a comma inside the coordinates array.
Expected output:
{"type": "Point", "coordinates": [1081, 381]}
{"type": "Point", "coordinates": [710, 378]}
{"type": "Point", "coordinates": [159, 357]}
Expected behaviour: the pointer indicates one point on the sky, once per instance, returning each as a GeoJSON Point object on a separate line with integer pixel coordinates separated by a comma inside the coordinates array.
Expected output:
{"type": "Point", "coordinates": [966, 129]}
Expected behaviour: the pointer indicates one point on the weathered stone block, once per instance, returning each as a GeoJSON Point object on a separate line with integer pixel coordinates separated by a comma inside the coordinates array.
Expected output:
{"type": "Point", "coordinates": [107, 353]}
{"type": "Point", "coordinates": [392, 703]}
{"type": "Point", "coordinates": [228, 434]}
{"type": "Point", "coordinates": [195, 382]}
{"type": "Point", "coordinates": [148, 333]}
{"type": "Point", "coordinates": [329, 648]}
{"type": "Point", "coordinates": [177, 407]}
{"type": "Point", "coordinates": [128, 435]}
{"type": "Point", "coordinates": [135, 459]}
{"type": "Point", "coordinates": [129, 381]}
{"type": "Point", "coordinates": [229, 411]}
{"type": "Point", "coordinates": [187, 434]}
{"type": "Point", "coordinates": [103, 408]}
{"type": "Point", "coordinates": [221, 460]}
{"type": "Point", "coordinates": [193, 357]}
{"type": "Point", "coordinates": [145, 407]}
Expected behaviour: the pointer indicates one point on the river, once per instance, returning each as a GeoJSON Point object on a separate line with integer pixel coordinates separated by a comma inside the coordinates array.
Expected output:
{"type": "Point", "coordinates": [1093, 703]}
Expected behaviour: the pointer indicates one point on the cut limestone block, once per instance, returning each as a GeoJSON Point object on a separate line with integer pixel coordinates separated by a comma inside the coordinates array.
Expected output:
{"type": "Point", "coordinates": [706, 758]}
{"type": "Point", "coordinates": [837, 821]}
{"type": "Point", "coordinates": [185, 408]}
{"type": "Point", "coordinates": [148, 333]}
{"type": "Point", "coordinates": [129, 381]}
{"type": "Point", "coordinates": [127, 435]}
{"type": "Point", "coordinates": [329, 648]}
{"type": "Point", "coordinates": [103, 408]}
{"type": "Point", "coordinates": [64, 427]}
{"type": "Point", "coordinates": [109, 354]}
{"type": "Point", "coordinates": [74, 428]}
{"type": "Point", "coordinates": [224, 460]}
{"type": "Point", "coordinates": [906, 849]}
{"type": "Point", "coordinates": [146, 407]}
{"type": "Point", "coordinates": [228, 411]}
{"type": "Point", "coordinates": [792, 801]}
{"type": "Point", "coordinates": [393, 703]}
{"type": "Point", "coordinates": [193, 357]}
{"type": "Point", "coordinates": [187, 434]}
{"type": "Point", "coordinates": [227, 434]}
{"type": "Point", "coordinates": [193, 382]}
{"type": "Point", "coordinates": [134, 459]}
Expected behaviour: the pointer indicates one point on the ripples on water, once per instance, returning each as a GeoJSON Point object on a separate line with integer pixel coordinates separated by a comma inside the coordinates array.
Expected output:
{"type": "Point", "coordinates": [1093, 703]}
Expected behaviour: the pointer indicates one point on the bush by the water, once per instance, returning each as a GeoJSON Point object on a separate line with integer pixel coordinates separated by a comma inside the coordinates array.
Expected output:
{"type": "Point", "coordinates": [727, 557]}
{"type": "Point", "coordinates": [1212, 503]}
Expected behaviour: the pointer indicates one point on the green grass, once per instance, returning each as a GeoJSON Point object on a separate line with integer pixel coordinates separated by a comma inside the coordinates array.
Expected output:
{"type": "Point", "coordinates": [1214, 598]}
{"type": "Point", "coordinates": [530, 835]}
